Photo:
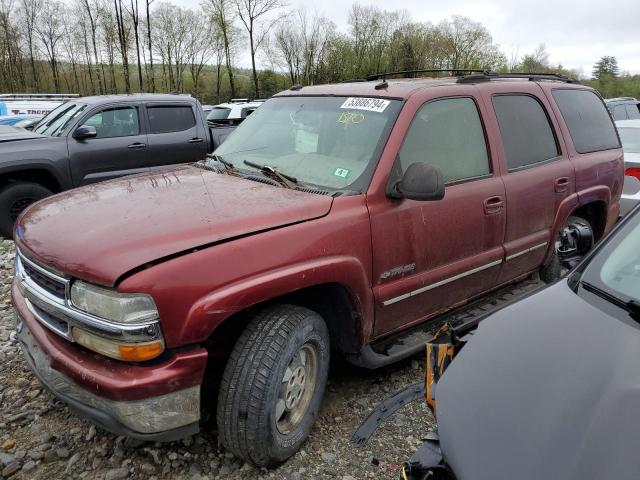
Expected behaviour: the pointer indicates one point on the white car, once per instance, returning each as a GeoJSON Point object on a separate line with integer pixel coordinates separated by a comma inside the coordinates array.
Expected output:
{"type": "Point", "coordinates": [233, 112]}
{"type": "Point", "coordinates": [629, 131]}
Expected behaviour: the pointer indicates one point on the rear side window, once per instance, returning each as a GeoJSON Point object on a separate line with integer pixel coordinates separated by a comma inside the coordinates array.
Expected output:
{"type": "Point", "coordinates": [525, 129]}
{"type": "Point", "coordinates": [219, 113]}
{"type": "Point", "coordinates": [633, 111]}
{"type": "Point", "coordinates": [170, 118]}
{"type": "Point", "coordinates": [620, 112]}
{"type": "Point", "coordinates": [448, 135]}
{"type": "Point", "coordinates": [589, 123]}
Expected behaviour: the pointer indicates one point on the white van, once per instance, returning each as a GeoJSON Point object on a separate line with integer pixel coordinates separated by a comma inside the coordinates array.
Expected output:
{"type": "Point", "coordinates": [32, 104]}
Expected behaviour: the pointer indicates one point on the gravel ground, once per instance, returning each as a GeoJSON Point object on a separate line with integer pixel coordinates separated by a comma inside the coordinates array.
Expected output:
{"type": "Point", "coordinates": [41, 439]}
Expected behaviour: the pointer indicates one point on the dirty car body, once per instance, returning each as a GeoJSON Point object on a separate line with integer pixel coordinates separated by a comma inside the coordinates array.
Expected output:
{"type": "Point", "coordinates": [309, 221]}
{"type": "Point", "coordinates": [548, 385]}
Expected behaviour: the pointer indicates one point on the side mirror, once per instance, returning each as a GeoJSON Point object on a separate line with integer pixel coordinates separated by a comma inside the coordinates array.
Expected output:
{"type": "Point", "coordinates": [421, 182]}
{"type": "Point", "coordinates": [85, 131]}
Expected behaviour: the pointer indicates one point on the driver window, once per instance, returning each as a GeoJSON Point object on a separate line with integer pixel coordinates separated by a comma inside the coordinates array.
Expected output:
{"type": "Point", "coordinates": [115, 122]}
{"type": "Point", "coordinates": [448, 134]}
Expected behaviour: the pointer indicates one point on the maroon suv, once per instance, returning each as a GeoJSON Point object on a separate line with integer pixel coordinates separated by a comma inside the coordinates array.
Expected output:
{"type": "Point", "coordinates": [337, 218]}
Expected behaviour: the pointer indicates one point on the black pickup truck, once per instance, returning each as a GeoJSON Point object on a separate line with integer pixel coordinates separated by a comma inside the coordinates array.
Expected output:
{"type": "Point", "coordinates": [91, 139]}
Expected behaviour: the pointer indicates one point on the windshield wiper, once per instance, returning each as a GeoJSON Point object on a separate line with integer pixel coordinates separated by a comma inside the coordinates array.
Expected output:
{"type": "Point", "coordinates": [631, 306]}
{"type": "Point", "coordinates": [228, 166]}
{"type": "Point", "coordinates": [269, 171]}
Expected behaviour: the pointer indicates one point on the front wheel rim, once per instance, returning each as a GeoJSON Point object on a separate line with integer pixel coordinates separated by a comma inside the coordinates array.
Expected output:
{"type": "Point", "coordinates": [296, 389]}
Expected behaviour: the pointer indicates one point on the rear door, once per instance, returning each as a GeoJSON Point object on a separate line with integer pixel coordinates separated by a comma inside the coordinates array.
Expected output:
{"type": "Point", "coordinates": [537, 172]}
{"type": "Point", "coordinates": [176, 135]}
{"type": "Point", "coordinates": [120, 147]}
{"type": "Point", "coordinates": [430, 256]}
{"type": "Point", "coordinates": [594, 147]}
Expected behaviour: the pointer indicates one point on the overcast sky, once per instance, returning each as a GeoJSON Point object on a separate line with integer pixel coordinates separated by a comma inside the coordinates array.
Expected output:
{"type": "Point", "coordinates": [576, 33]}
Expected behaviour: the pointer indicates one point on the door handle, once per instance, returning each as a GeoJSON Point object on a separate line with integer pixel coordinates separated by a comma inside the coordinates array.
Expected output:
{"type": "Point", "coordinates": [137, 146]}
{"type": "Point", "coordinates": [562, 184]}
{"type": "Point", "coordinates": [196, 140]}
{"type": "Point", "coordinates": [493, 205]}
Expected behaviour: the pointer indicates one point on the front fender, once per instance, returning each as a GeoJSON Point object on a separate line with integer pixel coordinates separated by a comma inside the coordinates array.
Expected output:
{"type": "Point", "coordinates": [213, 309]}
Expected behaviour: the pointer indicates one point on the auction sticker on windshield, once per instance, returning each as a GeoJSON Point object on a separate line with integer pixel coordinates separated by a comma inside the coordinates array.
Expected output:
{"type": "Point", "coordinates": [370, 104]}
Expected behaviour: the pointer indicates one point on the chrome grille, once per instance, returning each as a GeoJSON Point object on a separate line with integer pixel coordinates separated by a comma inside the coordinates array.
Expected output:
{"type": "Point", "coordinates": [46, 282]}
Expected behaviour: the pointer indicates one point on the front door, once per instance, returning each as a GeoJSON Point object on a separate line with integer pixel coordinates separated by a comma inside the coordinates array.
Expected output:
{"type": "Point", "coordinates": [120, 147]}
{"type": "Point", "coordinates": [430, 256]}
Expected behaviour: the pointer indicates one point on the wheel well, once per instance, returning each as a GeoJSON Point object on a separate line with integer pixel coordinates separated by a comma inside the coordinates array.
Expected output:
{"type": "Point", "coordinates": [596, 214]}
{"type": "Point", "coordinates": [40, 176]}
{"type": "Point", "coordinates": [332, 301]}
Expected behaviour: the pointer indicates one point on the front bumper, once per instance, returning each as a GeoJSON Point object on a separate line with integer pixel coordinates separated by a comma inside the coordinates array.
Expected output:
{"type": "Point", "coordinates": [159, 402]}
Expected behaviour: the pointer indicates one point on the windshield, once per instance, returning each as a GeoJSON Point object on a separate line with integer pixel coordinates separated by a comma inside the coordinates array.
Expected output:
{"type": "Point", "coordinates": [616, 268]}
{"type": "Point", "coordinates": [218, 113]}
{"type": "Point", "coordinates": [331, 142]}
{"type": "Point", "coordinates": [57, 120]}
{"type": "Point", "coordinates": [630, 138]}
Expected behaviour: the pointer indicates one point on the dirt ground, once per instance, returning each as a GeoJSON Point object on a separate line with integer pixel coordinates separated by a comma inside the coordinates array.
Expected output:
{"type": "Point", "coordinates": [41, 439]}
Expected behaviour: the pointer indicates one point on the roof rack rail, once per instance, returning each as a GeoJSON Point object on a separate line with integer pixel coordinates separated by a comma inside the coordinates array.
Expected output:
{"type": "Point", "coordinates": [532, 77]}
{"type": "Point", "coordinates": [617, 99]}
{"type": "Point", "coordinates": [455, 72]}
{"type": "Point", "coordinates": [38, 96]}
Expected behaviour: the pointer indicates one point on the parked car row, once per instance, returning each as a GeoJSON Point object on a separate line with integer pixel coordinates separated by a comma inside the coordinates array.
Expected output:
{"type": "Point", "coordinates": [345, 219]}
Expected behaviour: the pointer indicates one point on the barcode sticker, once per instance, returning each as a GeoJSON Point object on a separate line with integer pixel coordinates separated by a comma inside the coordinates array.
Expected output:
{"type": "Point", "coordinates": [369, 104]}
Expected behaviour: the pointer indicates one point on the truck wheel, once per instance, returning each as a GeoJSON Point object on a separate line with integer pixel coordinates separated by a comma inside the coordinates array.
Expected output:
{"type": "Point", "coordinates": [14, 198]}
{"type": "Point", "coordinates": [273, 385]}
{"type": "Point", "coordinates": [574, 241]}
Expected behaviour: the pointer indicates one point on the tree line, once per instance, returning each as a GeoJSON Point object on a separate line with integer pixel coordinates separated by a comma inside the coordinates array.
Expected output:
{"type": "Point", "coordinates": [123, 46]}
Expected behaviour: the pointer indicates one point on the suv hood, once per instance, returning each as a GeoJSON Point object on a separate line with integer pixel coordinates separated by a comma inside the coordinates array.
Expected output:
{"type": "Point", "coordinates": [100, 232]}
{"type": "Point", "coordinates": [549, 386]}
{"type": "Point", "coordinates": [12, 134]}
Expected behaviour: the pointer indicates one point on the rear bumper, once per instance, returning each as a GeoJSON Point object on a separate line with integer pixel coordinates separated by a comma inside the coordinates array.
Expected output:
{"type": "Point", "coordinates": [152, 402]}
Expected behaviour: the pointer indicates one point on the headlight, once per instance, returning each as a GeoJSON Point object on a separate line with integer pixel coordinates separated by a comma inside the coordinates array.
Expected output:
{"type": "Point", "coordinates": [111, 305]}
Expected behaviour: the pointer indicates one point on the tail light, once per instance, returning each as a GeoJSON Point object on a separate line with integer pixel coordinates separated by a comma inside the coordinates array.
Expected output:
{"type": "Point", "coordinates": [633, 172]}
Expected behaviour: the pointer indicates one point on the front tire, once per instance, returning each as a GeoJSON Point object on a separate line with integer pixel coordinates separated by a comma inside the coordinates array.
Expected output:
{"type": "Point", "coordinates": [14, 198]}
{"type": "Point", "coordinates": [273, 385]}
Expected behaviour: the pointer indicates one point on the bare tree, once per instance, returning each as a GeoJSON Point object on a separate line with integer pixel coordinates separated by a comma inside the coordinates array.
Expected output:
{"type": "Point", "coordinates": [252, 14]}
{"type": "Point", "coordinates": [223, 16]}
{"type": "Point", "coordinates": [173, 25]}
{"type": "Point", "coordinates": [11, 71]}
{"type": "Point", "coordinates": [135, 19]}
{"type": "Point", "coordinates": [71, 38]}
{"type": "Point", "coordinates": [29, 15]}
{"type": "Point", "coordinates": [200, 46]}
{"type": "Point", "coordinates": [50, 30]}
{"type": "Point", "coordinates": [288, 37]}
{"type": "Point", "coordinates": [151, 75]}
{"type": "Point", "coordinates": [124, 43]}
{"type": "Point", "coordinates": [217, 43]}
{"type": "Point", "coordinates": [92, 11]}
{"type": "Point", "coordinates": [109, 39]}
